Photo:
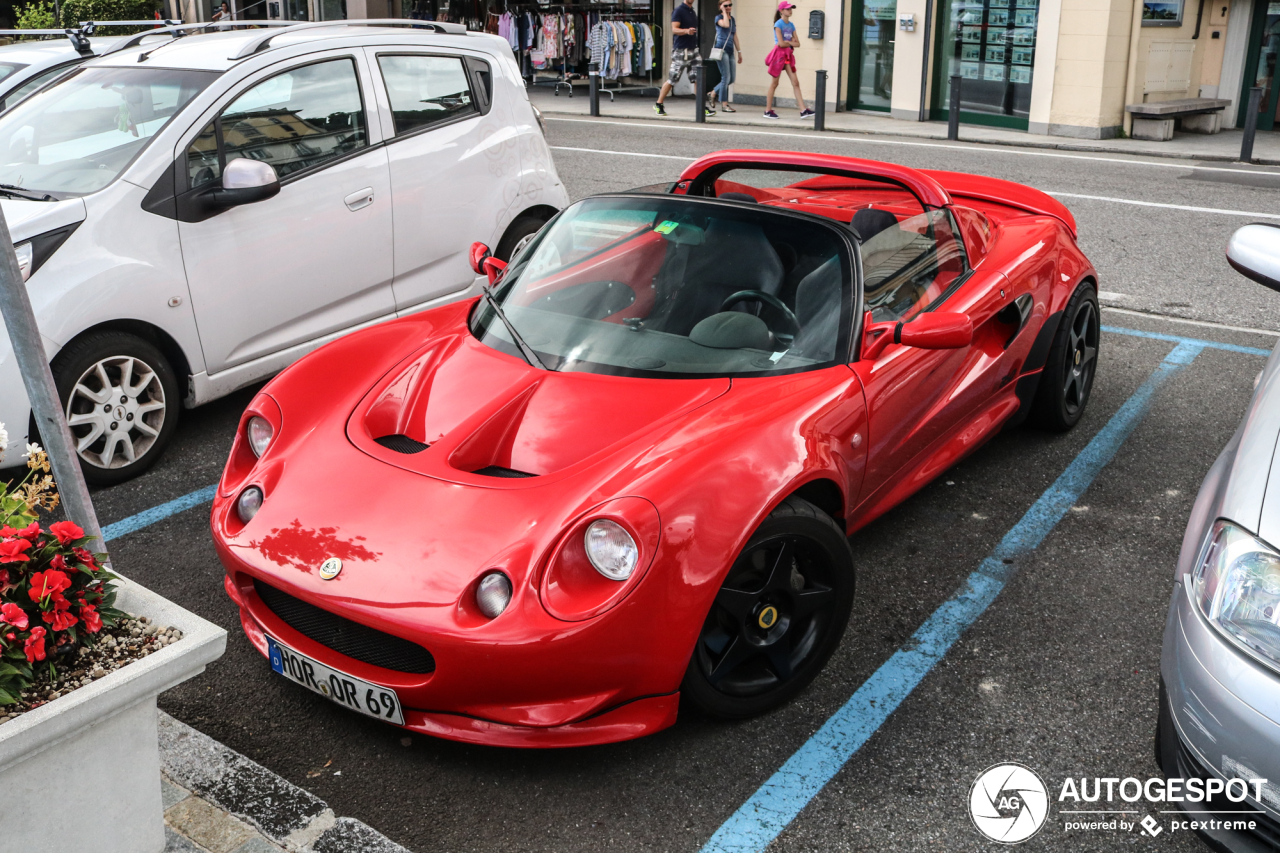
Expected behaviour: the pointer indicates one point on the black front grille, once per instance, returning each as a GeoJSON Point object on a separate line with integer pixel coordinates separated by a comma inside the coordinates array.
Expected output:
{"type": "Point", "coordinates": [497, 471]}
{"type": "Point", "coordinates": [352, 639]}
{"type": "Point", "coordinates": [1266, 829]}
{"type": "Point", "coordinates": [401, 444]}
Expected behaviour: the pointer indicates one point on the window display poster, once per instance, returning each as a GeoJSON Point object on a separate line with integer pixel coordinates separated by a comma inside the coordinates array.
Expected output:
{"type": "Point", "coordinates": [1025, 38]}
{"type": "Point", "coordinates": [995, 54]}
{"type": "Point", "coordinates": [1161, 13]}
{"type": "Point", "coordinates": [1022, 55]}
{"type": "Point", "coordinates": [971, 35]}
{"type": "Point", "coordinates": [970, 52]}
{"type": "Point", "coordinates": [992, 72]}
{"type": "Point", "coordinates": [1024, 18]}
{"type": "Point", "coordinates": [998, 17]}
{"type": "Point", "coordinates": [1019, 74]}
{"type": "Point", "coordinates": [970, 71]}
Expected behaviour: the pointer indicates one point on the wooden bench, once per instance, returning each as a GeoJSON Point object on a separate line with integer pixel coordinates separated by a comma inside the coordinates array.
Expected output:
{"type": "Point", "coordinates": [1155, 121]}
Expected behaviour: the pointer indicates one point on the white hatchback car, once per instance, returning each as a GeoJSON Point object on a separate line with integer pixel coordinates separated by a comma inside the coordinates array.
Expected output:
{"type": "Point", "coordinates": [194, 213]}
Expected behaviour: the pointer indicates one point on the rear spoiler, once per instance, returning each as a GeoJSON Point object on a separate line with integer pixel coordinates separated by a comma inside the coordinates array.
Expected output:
{"type": "Point", "coordinates": [1008, 193]}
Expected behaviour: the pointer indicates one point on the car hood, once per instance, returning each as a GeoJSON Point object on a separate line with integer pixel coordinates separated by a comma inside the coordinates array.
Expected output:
{"type": "Point", "coordinates": [27, 219]}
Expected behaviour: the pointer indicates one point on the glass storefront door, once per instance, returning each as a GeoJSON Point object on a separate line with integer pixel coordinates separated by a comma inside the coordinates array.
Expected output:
{"type": "Point", "coordinates": [1260, 63]}
{"type": "Point", "coordinates": [991, 44]}
{"type": "Point", "coordinates": [871, 71]}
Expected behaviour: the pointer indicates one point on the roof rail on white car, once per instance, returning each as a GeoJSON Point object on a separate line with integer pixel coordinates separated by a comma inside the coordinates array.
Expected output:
{"type": "Point", "coordinates": [263, 41]}
{"type": "Point", "coordinates": [183, 29]}
{"type": "Point", "coordinates": [79, 36]}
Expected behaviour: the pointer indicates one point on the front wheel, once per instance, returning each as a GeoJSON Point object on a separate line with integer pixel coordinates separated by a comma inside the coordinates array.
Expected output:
{"type": "Point", "coordinates": [121, 401]}
{"type": "Point", "coordinates": [1068, 373]}
{"type": "Point", "coordinates": [778, 617]}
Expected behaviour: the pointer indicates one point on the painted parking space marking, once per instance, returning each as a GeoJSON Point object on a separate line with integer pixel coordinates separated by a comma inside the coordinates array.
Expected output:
{"type": "Point", "coordinates": [148, 517]}
{"type": "Point", "coordinates": [784, 795]}
{"type": "Point", "coordinates": [1218, 210]}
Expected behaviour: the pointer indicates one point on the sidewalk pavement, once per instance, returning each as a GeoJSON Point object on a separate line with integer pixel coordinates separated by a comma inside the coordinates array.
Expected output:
{"type": "Point", "coordinates": [1221, 147]}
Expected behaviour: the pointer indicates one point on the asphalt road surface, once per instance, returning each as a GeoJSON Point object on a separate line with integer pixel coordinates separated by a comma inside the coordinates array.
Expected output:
{"type": "Point", "coordinates": [1060, 673]}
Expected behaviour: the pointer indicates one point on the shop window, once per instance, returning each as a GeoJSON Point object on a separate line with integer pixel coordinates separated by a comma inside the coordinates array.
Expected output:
{"type": "Point", "coordinates": [426, 90]}
{"type": "Point", "coordinates": [991, 45]}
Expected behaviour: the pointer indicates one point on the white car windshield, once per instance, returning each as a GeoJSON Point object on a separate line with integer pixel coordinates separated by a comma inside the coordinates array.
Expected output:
{"type": "Point", "coordinates": [79, 135]}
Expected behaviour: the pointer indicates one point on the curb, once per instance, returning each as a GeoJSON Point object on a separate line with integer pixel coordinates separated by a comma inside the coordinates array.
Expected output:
{"type": "Point", "coordinates": [295, 819]}
{"type": "Point", "coordinates": [1054, 146]}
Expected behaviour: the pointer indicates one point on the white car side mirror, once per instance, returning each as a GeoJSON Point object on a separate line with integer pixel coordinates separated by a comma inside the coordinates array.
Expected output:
{"type": "Point", "coordinates": [1254, 252]}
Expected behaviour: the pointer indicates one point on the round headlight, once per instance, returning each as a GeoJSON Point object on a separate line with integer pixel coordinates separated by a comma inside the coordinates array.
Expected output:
{"type": "Point", "coordinates": [248, 504]}
{"type": "Point", "coordinates": [493, 594]}
{"type": "Point", "coordinates": [611, 549]}
{"type": "Point", "coordinates": [260, 433]}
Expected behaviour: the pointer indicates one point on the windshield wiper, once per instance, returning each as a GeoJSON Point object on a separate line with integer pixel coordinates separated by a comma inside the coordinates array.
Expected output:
{"type": "Point", "coordinates": [525, 350]}
{"type": "Point", "coordinates": [18, 192]}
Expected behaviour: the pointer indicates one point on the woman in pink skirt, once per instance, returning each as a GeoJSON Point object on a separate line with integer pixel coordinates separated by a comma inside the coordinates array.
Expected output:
{"type": "Point", "coordinates": [783, 57]}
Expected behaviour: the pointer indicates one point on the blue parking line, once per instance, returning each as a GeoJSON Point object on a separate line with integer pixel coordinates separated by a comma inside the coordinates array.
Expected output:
{"type": "Point", "coordinates": [148, 517]}
{"type": "Point", "coordinates": [777, 802]}
{"type": "Point", "coordinates": [1178, 339]}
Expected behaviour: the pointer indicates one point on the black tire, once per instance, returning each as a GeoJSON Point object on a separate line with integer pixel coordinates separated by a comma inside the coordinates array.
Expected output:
{"type": "Point", "coordinates": [135, 407]}
{"type": "Point", "coordinates": [748, 661]}
{"type": "Point", "coordinates": [518, 233]}
{"type": "Point", "coordinates": [1068, 373]}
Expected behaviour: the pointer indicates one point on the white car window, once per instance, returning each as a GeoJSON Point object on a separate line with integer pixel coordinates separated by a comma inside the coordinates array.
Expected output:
{"type": "Point", "coordinates": [24, 91]}
{"type": "Point", "coordinates": [425, 90]}
{"type": "Point", "coordinates": [76, 137]}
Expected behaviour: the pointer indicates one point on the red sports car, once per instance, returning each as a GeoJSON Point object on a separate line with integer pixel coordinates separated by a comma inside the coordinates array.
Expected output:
{"type": "Point", "coordinates": [627, 473]}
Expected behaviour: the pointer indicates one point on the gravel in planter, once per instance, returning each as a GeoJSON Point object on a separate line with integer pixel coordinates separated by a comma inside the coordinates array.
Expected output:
{"type": "Point", "coordinates": [133, 638]}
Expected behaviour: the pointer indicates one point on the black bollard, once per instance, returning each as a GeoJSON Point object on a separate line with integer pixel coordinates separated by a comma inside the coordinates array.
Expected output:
{"type": "Point", "coordinates": [1250, 124]}
{"type": "Point", "coordinates": [953, 114]}
{"type": "Point", "coordinates": [595, 89]}
{"type": "Point", "coordinates": [820, 101]}
{"type": "Point", "coordinates": [700, 96]}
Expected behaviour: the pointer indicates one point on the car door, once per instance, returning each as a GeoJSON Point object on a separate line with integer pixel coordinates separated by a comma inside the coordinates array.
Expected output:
{"type": "Point", "coordinates": [316, 258]}
{"type": "Point", "coordinates": [453, 163]}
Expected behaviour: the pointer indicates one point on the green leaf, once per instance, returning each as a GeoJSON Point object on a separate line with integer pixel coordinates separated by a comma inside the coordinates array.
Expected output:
{"type": "Point", "coordinates": [7, 698]}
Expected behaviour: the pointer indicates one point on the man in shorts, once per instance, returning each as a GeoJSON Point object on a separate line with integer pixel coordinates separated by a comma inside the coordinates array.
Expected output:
{"type": "Point", "coordinates": [685, 54]}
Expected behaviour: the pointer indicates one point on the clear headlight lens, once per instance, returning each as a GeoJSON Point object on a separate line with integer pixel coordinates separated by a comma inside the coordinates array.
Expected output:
{"type": "Point", "coordinates": [611, 549]}
{"type": "Point", "coordinates": [260, 434]}
{"type": "Point", "coordinates": [493, 594]}
{"type": "Point", "coordinates": [248, 504]}
{"type": "Point", "coordinates": [25, 255]}
{"type": "Point", "coordinates": [1237, 586]}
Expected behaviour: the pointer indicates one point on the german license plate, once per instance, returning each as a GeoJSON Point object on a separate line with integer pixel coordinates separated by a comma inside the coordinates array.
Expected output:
{"type": "Point", "coordinates": [347, 690]}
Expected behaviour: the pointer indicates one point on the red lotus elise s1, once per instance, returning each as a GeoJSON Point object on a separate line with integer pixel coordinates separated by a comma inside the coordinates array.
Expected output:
{"type": "Point", "coordinates": [628, 471]}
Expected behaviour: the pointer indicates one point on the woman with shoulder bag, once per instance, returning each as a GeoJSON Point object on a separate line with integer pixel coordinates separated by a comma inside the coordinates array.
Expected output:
{"type": "Point", "coordinates": [726, 51]}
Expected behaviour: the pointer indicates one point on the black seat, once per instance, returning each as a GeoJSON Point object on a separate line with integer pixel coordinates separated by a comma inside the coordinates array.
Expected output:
{"type": "Point", "coordinates": [869, 222]}
{"type": "Point", "coordinates": [750, 199]}
{"type": "Point", "coordinates": [818, 311]}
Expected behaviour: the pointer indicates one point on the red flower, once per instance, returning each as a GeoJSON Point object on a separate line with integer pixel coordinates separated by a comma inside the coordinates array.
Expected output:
{"type": "Point", "coordinates": [14, 615]}
{"type": "Point", "coordinates": [30, 532]}
{"type": "Point", "coordinates": [92, 621]}
{"type": "Point", "coordinates": [66, 531]}
{"type": "Point", "coordinates": [13, 551]}
{"type": "Point", "coordinates": [47, 583]}
{"type": "Point", "coordinates": [35, 645]}
{"type": "Point", "coordinates": [59, 562]}
{"type": "Point", "coordinates": [61, 619]}
{"type": "Point", "coordinates": [11, 636]}
{"type": "Point", "coordinates": [4, 578]}
{"type": "Point", "coordinates": [85, 557]}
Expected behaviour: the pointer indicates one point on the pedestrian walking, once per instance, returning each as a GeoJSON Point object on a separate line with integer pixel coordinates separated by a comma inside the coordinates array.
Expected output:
{"type": "Point", "coordinates": [685, 55]}
{"type": "Point", "coordinates": [728, 58]}
{"type": "Point", "coordinates": [783, 58]}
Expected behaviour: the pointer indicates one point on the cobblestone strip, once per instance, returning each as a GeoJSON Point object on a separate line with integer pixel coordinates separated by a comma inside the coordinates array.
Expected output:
{"type": "Point", "coordinates": [218, 801]}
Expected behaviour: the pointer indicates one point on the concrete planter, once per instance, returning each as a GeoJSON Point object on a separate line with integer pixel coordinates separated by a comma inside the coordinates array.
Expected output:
{"type": "Point", "coordinates": [83, 771]}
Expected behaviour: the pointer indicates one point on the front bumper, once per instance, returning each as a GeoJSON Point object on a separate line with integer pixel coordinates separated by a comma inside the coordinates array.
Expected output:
{"type": "Point", "coordinates": [1220, 717]}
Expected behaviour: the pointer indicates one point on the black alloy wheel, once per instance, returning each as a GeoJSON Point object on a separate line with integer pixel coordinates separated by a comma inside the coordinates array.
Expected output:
{"type": "Point", "coordinates": [1068, 374]}
{"type": "Point", "coordinates": [779, 615]}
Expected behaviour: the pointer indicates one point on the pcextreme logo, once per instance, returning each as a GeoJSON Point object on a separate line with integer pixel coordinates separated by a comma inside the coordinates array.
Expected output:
{"type": "Point", "coordinates": [1009, 803]}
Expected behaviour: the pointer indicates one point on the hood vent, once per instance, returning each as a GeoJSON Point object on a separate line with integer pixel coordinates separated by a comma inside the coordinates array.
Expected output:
{"type": "Point", "coordinates": [401, 444]}
{"type": "Point", "coordinates": [497, 471]}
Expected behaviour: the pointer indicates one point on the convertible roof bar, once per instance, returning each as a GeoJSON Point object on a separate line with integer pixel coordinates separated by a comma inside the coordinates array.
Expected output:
{"type": "Point", "coordinates": [79, 36]}
{"type": "Point", "coordinates": [263, 41]}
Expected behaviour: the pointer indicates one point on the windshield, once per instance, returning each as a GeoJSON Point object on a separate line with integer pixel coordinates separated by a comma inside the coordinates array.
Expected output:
{"type": "Point", "coordinates": [672, 285]}
{"type": "Point", "coordinates": [77, 136]}
{"type": "Point", "coordinates": [7, 69]}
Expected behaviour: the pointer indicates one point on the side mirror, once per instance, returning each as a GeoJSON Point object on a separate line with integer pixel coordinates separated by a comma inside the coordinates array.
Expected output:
{"type": "Point", "coordinates": [934, 330]}
{"type": "Point", "coordinates": [246, 181]}
{"type": "Point", "coordinates": [484, 263]}
{"type": "Point", "coordinates": [1254, 252]}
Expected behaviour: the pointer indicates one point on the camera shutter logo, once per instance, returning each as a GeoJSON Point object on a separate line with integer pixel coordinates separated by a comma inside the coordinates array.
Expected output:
{"type": "Point", "coordinates": [1008, 803]}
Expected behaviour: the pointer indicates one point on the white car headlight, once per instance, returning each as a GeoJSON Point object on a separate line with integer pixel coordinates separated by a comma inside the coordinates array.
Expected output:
{"type": "Point", "coordinates": [493, 594]}
{"type": "Point", "coordinates": [25, 255]}
{"type": "Point", "coordinates": [248, 504]}
{"type": "Point", "coordinates": [611, 549]}
{"type": "Point", "coordinates": [260, 433]}
{"type": "Point", "coordinates": [1237, 586]}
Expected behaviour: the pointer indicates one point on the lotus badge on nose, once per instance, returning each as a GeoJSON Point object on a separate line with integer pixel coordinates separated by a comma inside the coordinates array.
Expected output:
{"type": "Point", "coordinates": [329, 568]}
{"type": "Point", "coordinates": [768, 616]}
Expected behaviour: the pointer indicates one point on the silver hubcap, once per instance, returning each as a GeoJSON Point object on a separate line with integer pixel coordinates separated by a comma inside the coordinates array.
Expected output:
{"type": "Point", "coordinates": [521, 243]}
{"type": "Point", "coordinates": [116, 411]}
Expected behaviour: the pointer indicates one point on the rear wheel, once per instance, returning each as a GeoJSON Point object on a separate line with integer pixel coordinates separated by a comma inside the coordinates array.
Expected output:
{"type": "Point", "coordinates": [519, 235]}
{"type": "Point", "coordinates": [1068, 373]}
{"type": "Point", "coordinates": [778, 617]}
{"type": "Point", "coordinates": [121, 401]}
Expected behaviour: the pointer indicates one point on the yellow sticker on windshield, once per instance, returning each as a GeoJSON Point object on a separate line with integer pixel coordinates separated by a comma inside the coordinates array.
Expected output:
{"type": "Point", "coordinates": [666, 227]}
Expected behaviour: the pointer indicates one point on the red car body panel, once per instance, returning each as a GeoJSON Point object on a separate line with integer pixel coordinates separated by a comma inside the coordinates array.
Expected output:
{"type": "Point", "coordinates": [690, 466]}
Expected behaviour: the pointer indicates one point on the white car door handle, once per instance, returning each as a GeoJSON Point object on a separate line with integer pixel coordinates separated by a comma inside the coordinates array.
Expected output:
{"type": "Point", "coordinates": [359, 198]}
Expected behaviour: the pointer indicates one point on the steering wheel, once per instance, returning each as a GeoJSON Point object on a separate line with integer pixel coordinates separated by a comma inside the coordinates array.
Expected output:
{"type": "Point", "coordinates": [773, 302]}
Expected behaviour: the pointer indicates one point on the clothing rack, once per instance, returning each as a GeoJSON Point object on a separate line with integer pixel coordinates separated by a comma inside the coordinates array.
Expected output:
{"type": "Point", "coordinates": [623, 12]}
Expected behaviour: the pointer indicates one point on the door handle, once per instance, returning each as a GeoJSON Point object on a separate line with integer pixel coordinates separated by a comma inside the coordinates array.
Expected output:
{"type": "Point", "coordinates": [359, 199]}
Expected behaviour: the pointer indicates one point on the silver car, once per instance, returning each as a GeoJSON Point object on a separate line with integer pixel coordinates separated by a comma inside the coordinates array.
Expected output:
{"type": "Point", "coordinates": [1220, 665]}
